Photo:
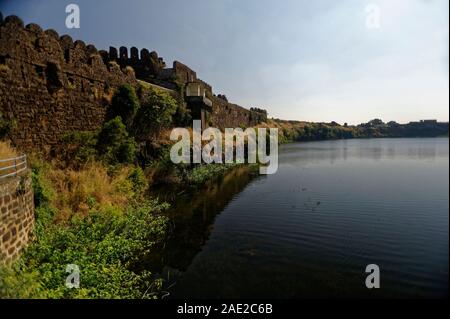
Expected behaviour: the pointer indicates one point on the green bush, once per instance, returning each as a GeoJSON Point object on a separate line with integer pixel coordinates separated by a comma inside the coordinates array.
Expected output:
{"type": "Point", "coordinates": [114, 144]}
{"type": "Point", "coordinates": [202, 173]}
{"type": "Point", "coordinates": [138, 180]}
{"type": "Point", "coordinates": [42, 189]}
{"type": "Point", "coordinates": [77, 148]}
{"type": "Point", "coordinates": [182, 117]}
{"type": "Point", "coordinates": [105, 246]}
{"type": "Point", "coordinates": [155, 114]}
{"type": "Point", "coordinates": [125, 104]}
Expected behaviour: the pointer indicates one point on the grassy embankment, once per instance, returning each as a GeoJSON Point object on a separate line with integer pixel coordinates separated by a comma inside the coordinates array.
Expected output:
{"type": "Point", "coordinates": [94, 208]}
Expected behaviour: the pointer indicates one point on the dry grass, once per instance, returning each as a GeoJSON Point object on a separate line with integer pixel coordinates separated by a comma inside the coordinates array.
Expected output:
{"type": "Point", "coordinates": [77, 192]}
{"type": "Point", "coordinates": [6, 150]}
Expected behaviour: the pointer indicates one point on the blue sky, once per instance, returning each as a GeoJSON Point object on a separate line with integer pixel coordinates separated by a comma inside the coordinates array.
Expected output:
{"type": "Point", "coordinates": [303, 60]}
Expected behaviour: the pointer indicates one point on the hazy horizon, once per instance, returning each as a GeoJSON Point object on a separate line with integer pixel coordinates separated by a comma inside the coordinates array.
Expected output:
{"type": "Point", "coordinates": [299, 60]}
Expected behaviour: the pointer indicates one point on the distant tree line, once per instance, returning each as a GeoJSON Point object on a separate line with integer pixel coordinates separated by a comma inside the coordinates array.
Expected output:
{"type": "Point", "coordinates": [301, 131]}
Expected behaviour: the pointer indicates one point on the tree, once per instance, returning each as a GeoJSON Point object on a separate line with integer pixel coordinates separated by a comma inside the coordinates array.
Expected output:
{"type": "Point", "coordinates": [393, 123]}
{"type": "Point", "coordinates": [125, 104]}
{"type": "Point", "coordinates": [154, 115]}
{"type": "Point", "coordinates": [114, 143]}
{"type": "Point", "coordinates": [375, 122]}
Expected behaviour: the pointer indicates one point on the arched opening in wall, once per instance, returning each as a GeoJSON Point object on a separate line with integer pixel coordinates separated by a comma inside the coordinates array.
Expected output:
{"type": "Point", "coordinates": [53, 81]}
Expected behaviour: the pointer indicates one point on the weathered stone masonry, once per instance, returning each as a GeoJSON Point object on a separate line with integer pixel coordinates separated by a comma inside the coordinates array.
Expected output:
{"type": "Point", "coordinates": [51, 85]}
{"type": "Point", "coordinates": [16, 215]}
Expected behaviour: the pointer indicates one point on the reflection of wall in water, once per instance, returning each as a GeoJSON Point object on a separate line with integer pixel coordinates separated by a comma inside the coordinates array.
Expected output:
{"type": "Point", "coordinates": [193, 215]}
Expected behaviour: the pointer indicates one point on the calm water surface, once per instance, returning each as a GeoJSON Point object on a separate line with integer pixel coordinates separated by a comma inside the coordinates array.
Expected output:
{"type": "Point", "coordinates": [309, 230]}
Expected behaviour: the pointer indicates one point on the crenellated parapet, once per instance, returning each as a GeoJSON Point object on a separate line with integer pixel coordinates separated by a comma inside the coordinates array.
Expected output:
{"type": "Point", "coordinates": [52, 84]}
{"type": "Point", "coordinates": [146, 65]}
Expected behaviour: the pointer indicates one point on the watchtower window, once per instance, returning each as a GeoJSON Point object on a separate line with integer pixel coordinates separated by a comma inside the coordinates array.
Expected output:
{"type": "Point", "coordinates": [2, 59]}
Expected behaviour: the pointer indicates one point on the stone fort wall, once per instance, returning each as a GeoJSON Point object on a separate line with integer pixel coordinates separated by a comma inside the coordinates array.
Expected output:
{"type": "Point", "coordinates": [231, 115]}
{"type": "Point", "coordinates": [16, 215]}
{"type": "Point", "coordinates": [51, 85]}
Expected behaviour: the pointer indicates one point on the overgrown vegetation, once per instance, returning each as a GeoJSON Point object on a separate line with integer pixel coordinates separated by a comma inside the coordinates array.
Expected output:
{"type": "Point", "coordinates": [154, 115]}
{"type": "Point", "coordinates": [76, 148]}
{"type": "Point", "coordinates": [114, 144]}
{"type": "Point", "coordinates": [192, 176]}
{"type": "Point", "coordinates": [124, 104]}
{"type": "Point", "coordinates": [93, 209]}
{"type": "Point", "coordinates": [132, 133]}
{"type": "Point", "coordinates": [99, 222]}
{"type": "Point", "coordinates": [202, 173]}
{"type": "Point", "coordinates": [142, 144]}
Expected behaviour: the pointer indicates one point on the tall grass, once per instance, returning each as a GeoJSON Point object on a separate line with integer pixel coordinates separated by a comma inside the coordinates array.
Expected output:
{"type": "Point", "coordinates": [95, 217]}
{"type": "Point", "coordinates": [91, 187]}
{"type": "Point", "coordinates": [6, 150]}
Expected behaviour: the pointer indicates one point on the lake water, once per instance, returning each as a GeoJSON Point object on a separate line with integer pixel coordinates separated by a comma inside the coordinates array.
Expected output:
{"type": "Point", "coordinates": [311, 229]}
